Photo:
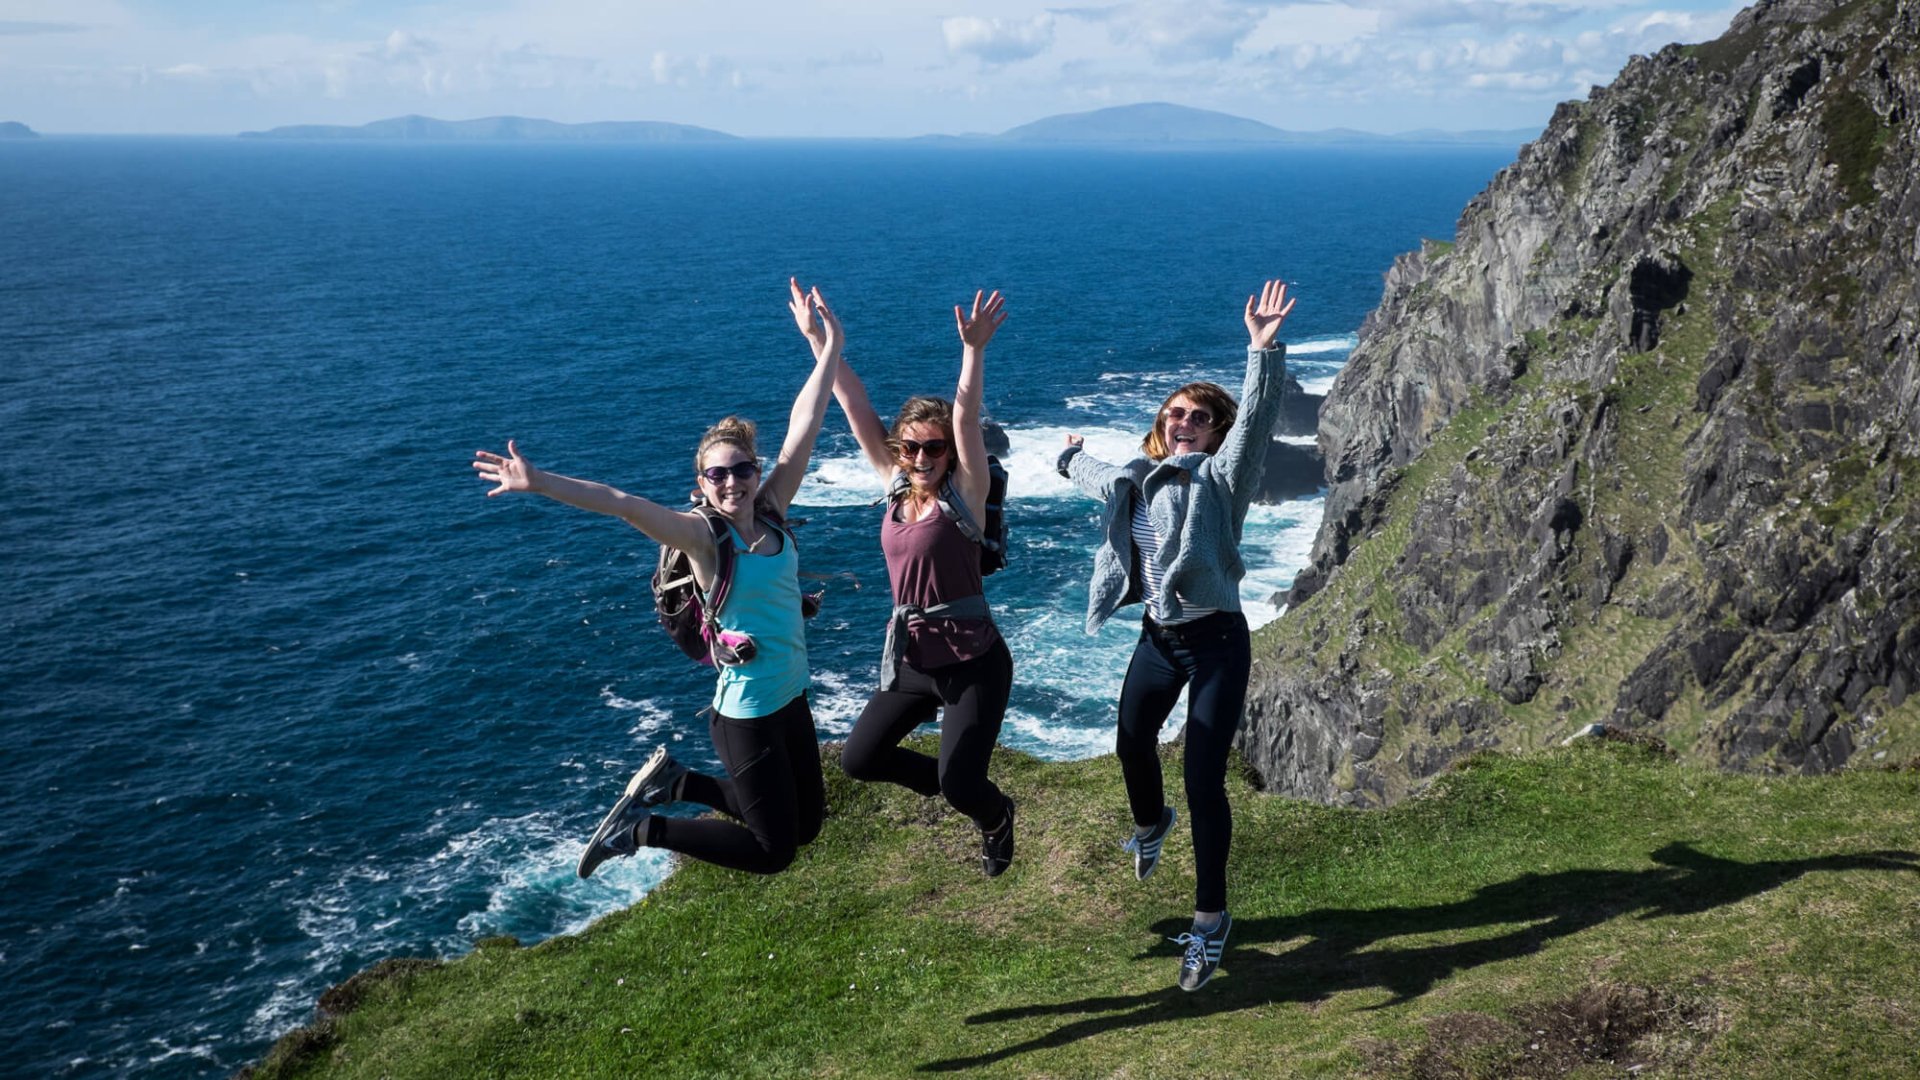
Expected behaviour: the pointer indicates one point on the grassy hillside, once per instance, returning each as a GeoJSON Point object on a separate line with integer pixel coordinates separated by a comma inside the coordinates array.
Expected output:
{"type": "Point", "coordinates": [1583, 911]}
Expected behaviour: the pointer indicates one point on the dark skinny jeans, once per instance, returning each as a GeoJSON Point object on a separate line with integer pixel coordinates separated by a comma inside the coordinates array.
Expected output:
{"type": "Point", "coordinates": [1213, 654]}
{"type": "Point", "coordinates": [974, 695]}
{"type": "Point", "coordinates": [773, 788]}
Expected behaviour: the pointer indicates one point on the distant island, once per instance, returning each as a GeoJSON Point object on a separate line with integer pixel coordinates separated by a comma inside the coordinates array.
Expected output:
{"type": "Point", "coordinates": [1155, 123]}
{"type": "Point", "coordinates": [14, 129]}
{"type": "Point", "coordinates": [1161, 122]}
{"type": "Point", "coordinates": [500, 129]}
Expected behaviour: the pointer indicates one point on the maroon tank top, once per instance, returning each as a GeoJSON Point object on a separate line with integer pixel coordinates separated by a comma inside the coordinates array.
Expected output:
{"type": "Point", "coordinates": [930, 562]}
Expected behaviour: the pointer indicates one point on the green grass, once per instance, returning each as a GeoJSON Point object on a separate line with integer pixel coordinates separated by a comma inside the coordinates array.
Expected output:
{"type": "Point", "coordinates": [1584, 909]}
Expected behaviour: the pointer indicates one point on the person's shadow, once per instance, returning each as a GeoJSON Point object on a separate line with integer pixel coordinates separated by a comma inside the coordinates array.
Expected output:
{"type": "Point", "coordinates": [1542, 906]}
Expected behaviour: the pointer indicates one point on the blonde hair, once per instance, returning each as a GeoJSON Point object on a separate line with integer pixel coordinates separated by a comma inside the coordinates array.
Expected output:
{"type": "Point", "coordinates": [1210, 396]}
{"type": "Point", "coordinates": [734, 431]}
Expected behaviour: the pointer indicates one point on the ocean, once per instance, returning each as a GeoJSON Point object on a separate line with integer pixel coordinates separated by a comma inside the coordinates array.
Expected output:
{"type": "Point", "coordinates": [281, 693]}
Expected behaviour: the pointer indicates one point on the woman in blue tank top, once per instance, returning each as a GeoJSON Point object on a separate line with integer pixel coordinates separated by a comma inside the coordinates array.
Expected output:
{"type": "Point", "coordinates": [762, 725]}
{"type": "Point", "coordinates": [943, 654]}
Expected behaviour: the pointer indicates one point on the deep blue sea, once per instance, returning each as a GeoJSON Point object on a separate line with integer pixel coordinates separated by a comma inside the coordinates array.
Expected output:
{"type": "Point", "coordinates": [281, 693]}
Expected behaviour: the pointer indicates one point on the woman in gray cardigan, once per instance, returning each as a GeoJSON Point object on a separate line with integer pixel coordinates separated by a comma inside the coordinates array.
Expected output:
{"type": "Point", "coordinates": [1172, 541]}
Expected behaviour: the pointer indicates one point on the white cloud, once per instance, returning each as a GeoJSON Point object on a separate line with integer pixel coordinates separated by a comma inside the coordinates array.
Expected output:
{"type": "Point", "coordinates": [1494, 16]}
{"type": "Point", "coordinates": [1173, 32]}
{"type": "Point", "coordinates": [1309, 24]}
{"type": "Point", "coordinates": [695, 71]}
{"type": "Point", "coordinates": [997, 41]}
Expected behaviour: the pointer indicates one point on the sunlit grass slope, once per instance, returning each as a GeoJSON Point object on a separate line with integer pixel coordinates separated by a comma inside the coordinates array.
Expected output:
{"type": "Point", "coordinates": [1585, 912]}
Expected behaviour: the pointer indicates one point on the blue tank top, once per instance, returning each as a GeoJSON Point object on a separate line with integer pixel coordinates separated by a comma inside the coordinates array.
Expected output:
{"type": "Point", "coordinates": [764, 604]}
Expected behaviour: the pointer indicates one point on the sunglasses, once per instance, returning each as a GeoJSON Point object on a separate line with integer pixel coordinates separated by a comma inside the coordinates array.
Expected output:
{"type": "Point", "coordinates": [1200, 417]}
{"type": "Point", "coordinates": [935, 448]}
{"type": "Point", "coordinates": [739, 470]}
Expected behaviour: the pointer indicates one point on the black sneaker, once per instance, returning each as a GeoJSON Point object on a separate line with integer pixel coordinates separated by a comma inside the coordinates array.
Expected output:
{"type": "Point", "coordinates": [1146, 848]}
{"type": "Point", "coordinates": [996, 846]}
{"type": "Point", "coordinates": [1203, 952]}
{"type": "Point", "coordinates": [657, 783]}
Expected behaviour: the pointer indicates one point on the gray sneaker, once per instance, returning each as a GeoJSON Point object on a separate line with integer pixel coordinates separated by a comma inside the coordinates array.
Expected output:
{"type": "Point", "coordinates": [1146, 846]}
{"type": "Point", "coordinates": [657, 783]}
{"type": "Point", "coordinates": [1203, 953]}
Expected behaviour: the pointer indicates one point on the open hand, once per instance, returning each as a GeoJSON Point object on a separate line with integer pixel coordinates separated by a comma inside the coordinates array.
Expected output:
{"type": "Point", "coordinates": [511, 473]}
{"type": "Point", "coordinates": [1075, 440]}
{"type": "Point", "coordinates": [825, 334]}
{"type": "Point", "coordinates": [977, 329]}
{"type": "Point", "coordinates": [1263, 321]}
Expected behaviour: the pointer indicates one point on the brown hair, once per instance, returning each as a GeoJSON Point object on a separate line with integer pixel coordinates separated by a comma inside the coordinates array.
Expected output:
{"type": "Point", "coordinates": [922, 410]}
{"type": "Point", "coordinates": [733, 430]}
{"type": "Point", "coordinates": [1210, 396]}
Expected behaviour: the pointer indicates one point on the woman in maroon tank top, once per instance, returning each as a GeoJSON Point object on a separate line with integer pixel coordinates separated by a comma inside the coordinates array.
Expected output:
{"type": "Point", "coordinates": [943, 654]}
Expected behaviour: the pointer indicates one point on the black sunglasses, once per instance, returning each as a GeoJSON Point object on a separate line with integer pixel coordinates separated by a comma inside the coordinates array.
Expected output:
{"type": "Point", "coordinates": [935, 448]}
{"type": "Point", "coordinates": [1200, 417]}
{"type": "Point", "coordinates": [739, 470]}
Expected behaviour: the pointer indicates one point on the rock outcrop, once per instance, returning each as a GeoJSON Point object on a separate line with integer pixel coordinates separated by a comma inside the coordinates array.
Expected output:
{"type": "Point", "coordinates": [1642, 446]}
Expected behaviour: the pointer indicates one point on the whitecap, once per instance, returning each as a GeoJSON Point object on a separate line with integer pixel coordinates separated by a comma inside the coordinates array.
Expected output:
{"type": "Point", "coordinates": [1321, 346]}
{"type": "Point", "coordinates": [839, 481]}
{"type": "Point", "coordinates": [1276, 545]}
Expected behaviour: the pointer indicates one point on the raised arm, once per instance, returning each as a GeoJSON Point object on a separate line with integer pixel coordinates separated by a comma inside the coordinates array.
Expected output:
{"type": "Point", "coordinates": [970, 465]}
{"type": "Point", "coordinates": [810, 407]}
{"type": "Point", "coordinates": [1242, 457]}
{"type": "Point", "coordinates": [851, 393]}
{"type": "Point", "coordinates": [513, 472]}
{"type": "Point", "coordinates": [1088, 473]}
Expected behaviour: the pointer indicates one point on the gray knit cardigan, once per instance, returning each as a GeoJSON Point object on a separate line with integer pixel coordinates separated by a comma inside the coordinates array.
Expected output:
{"type": "Point", "coordinates": [1196, 503]}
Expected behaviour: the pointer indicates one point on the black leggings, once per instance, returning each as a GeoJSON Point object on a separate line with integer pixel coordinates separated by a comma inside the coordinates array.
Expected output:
{"type": "Point", "coordinates": [974, 694]}
{"type": "Point", "coordinates": [773, 788]}
{"type": "Point", "coordinates": [1215, 655]}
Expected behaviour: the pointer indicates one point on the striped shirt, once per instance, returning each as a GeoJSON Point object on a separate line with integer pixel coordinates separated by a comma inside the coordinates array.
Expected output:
{"type": "Point", "coordinates": [1147, 547]}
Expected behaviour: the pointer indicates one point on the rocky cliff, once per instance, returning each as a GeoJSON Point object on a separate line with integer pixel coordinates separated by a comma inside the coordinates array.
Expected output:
{"type": "Point", "coordinates": [1643, 445]}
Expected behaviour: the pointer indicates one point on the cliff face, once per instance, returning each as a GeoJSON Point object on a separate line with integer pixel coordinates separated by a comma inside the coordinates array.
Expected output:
{"type": "Point", "coordinates": [1643, 446]}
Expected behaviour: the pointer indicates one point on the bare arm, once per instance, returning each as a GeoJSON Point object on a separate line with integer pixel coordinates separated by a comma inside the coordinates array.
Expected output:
{"type": "Point", "coordinates": [970, 465]}
{"type": "Point", "coordinates": [862, 417]}
{"type": "Point", "coordinates": [810, 407]}
{"type": "Point", "coordinates": [513, 472]}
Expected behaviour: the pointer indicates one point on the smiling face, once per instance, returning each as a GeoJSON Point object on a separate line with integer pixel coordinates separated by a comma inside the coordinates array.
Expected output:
{"type": "Point", "coordinates": [1188, 426]}
{"type": "Point", "coordinates": [924, 469]}
{"type": "Point", "coordinates": [1194, 419]}
{"type": "Point", "coordinates": [733, 493]}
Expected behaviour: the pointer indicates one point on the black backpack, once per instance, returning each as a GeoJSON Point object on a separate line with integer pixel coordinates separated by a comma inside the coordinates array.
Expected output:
{"type": "Point", "coordinates": [992, 537]}
{"type": "Point", "coordinates": [693, 620]}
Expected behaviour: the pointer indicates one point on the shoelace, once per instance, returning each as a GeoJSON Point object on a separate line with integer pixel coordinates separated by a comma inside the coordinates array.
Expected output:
{"type": "Point", "coordinates": [1196, 948]}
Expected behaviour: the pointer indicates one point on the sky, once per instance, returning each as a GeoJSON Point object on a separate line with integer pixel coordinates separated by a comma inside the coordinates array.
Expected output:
{"type": "Point", "coordinates": [840, 68]}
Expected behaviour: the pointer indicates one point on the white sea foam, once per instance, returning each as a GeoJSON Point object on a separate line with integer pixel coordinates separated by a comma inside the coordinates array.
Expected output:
{"type": "Point", "coordinates": [1321, 346]}
{"type": "Point", "coordinates": [1055, 741]}
{"type": "Point", "coordinates": [838, 699]}
{"type": "Point", "coordinates": [839, 481]}
{"type": "Point", "coordinates": [1033, 452]}
{"type": "Point", "coordinates": [526, 867]}
{"type": "Point", "coordinates": [651, 717]}
{"type": "Point", "coordinates": [1318, 384]}
{"type": "Point", "coordinates": [1275, 546]}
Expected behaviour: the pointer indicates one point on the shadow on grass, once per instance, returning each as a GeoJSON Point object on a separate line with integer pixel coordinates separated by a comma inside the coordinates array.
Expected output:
{"type": "Point", "coordinates": [1332, 960]}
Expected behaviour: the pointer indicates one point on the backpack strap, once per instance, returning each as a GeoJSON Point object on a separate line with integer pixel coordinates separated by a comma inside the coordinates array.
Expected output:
{"type": "Point", "coordinates": [722, 568]}
{"type": "Point", "coordinates": [955, 508]}
{"type": "Point", "coordinates": [951, 504]}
